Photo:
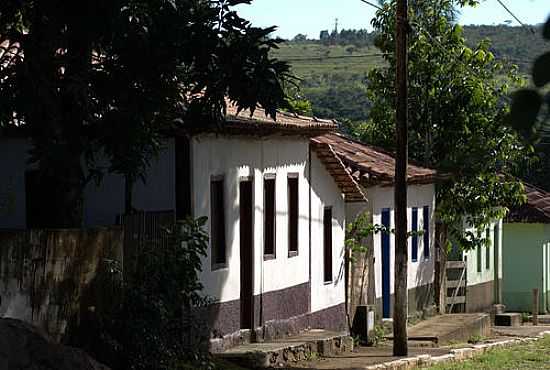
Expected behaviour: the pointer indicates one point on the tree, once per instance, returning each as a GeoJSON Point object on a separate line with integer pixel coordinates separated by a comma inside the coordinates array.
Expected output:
{"type": "Point", "coordinates": [457, 105]}
{"type": "Point", "coordinates": [103, 79]}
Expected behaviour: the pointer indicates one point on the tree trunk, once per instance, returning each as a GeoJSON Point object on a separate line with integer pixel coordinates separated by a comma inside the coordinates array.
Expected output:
{"type": "Point", "coordinates": [400, 310]}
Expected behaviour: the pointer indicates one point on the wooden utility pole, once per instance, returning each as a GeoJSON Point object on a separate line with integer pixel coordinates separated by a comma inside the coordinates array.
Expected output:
{"type": "Point", "coordinates": [400, 310]}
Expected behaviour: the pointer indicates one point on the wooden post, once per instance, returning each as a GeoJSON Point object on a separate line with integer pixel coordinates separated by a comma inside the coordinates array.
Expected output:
{"type": "Point", "coordinates": [400, 311]}
{"type": "Point", "coordinates": [535, 307]}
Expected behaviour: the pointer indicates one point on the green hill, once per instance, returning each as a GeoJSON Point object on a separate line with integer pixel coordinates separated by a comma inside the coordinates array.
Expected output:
{"type": "Point", "coordinates": [333, 70]}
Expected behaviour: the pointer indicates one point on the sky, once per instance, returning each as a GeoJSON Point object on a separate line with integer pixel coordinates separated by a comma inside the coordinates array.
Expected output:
{"type": "Point", "coordinates": [311, 16]}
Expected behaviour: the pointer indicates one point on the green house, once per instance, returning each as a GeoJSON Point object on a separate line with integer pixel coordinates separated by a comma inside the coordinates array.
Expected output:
{"type": "Point", "coordinates": [526, 253]}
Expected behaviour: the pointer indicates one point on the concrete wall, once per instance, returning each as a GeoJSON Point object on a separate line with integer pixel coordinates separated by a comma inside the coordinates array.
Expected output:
{"type": "Point", "coordinates": [44, 274]}
{"type": "Point", "coordinates": [525, 265]}
{"type": "Point", "coordinates": [420, 272]}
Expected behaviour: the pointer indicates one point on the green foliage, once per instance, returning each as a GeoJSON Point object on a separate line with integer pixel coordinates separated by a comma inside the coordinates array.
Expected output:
{"type": "Point", "coordinates": [154, 318]}
{"type": "Point", "coordinates": [359, 230]}
{"type": "Point", "coordinates": [109, 77]}
{"type": "Point", "coordinates": [456, 110]}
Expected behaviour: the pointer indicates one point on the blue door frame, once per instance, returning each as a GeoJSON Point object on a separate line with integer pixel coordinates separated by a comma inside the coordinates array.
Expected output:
{"type": "Point", "coordinates": [386, 264]}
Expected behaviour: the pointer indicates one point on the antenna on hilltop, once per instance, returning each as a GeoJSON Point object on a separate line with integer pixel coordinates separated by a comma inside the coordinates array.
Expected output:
{"type": "Point", "coordinates": [336, 26]}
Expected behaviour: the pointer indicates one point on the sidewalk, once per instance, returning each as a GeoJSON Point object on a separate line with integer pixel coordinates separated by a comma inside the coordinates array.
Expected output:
{"type": "Point", "coordinates": [381, 357]}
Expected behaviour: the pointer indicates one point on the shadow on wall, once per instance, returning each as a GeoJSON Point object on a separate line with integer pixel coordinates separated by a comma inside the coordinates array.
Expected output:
{"type": "Point", "coordinates": [44, 273]}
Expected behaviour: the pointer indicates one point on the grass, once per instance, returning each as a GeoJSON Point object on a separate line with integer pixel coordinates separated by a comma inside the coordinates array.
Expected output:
{"type": "Point", "coordinates": [313, 59]}
{"type": "Point", "coordinates": [531, 356]}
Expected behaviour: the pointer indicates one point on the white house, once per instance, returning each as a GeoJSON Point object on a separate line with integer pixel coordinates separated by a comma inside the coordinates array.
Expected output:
{"type": "Point", "coordinates": [483, 270]}
{"type": "Point", "coordinates": [374, 169]}
{"type": "Point", "coordinates": [276, 209]}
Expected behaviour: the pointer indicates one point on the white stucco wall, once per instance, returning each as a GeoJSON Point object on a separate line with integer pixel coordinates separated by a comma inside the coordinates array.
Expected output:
{"type": "Point", "coordinates": [420, 272]}
{"type": "Point", "coordinates": [13, 161]}
{"type": "Point", "coordinates": [102, 203]}
{"type": "Point", "coordinates": [486, 274]}
{"type": "Point", "coordinates": [234, 158]}
{"type": "Point", "coordinates": [325, 193]}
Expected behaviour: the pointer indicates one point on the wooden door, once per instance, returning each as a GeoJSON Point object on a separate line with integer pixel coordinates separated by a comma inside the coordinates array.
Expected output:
{"type": "Point", "coordinates": [247, 254]}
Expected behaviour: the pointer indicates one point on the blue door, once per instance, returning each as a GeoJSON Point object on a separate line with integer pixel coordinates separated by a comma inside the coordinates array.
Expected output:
{"type": "Point", "coordinates": [386, 264]}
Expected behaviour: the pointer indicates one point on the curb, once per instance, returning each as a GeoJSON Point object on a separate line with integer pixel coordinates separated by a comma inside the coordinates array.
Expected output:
{"type": "Point", "coordinates": [460, 354]}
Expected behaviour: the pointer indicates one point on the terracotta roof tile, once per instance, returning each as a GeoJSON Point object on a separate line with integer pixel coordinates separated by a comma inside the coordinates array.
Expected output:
{"type": "Point", "coordinates": [536, 210]}
{"type": "Point", "coordinates": [284, 121]}
{"type": "Point", "coordinates": [341, 175]}
{"type": "Point", "coordinates": [371, 165]}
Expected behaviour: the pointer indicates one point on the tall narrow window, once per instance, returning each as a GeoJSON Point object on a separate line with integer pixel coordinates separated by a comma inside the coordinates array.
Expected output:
{"type": "Point", "coordinates": [269, 217]}
{"type": "Point", "coordinates": [217, 223]}
{"type": "Point", "coordinates": [426, 236]}
{"type": "Point", "coordinates": [488, 249]}
{"type": "Point", "coordinates": [327, 244]}
{"type": "Point", "coordinates": [478, 258]}
{"type": "Point", "coordinates": [293, 215]}
{"type": "Point", "coordinates": [414, 251]}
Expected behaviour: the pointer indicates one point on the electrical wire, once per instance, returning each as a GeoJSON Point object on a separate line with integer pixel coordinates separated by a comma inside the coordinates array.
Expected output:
{"type": "Point", "coordinates": [331, 57]}
{"type": "Point", "coordinates": [530, 29]}
{"type": "Point", "coordinates": [372, 4]}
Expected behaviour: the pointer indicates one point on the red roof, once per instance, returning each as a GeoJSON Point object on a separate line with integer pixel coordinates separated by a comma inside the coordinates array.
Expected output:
{"type": "Point", "coordinates": [285, 122]}
{"type": "Point", "coordinates": [536, 210]}
{"type": "Point", "coordinates": [371, 165]}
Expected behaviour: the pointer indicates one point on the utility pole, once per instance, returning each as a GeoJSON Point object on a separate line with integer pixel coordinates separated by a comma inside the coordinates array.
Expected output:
{"type": "Point", "coordinates": [400, 310]}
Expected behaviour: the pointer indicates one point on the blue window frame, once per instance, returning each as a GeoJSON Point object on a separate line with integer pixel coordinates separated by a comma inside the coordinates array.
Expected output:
{"type": "Point", "coordinates": [414, 252]}
{"type": "Point", "coordinates": [426, 236]}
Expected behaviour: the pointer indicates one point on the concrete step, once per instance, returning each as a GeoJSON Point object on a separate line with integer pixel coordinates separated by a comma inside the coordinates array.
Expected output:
{"type": "Point", "coordinates": [508, 319]}
{"type": "Point", "coordinates": [280, 353]}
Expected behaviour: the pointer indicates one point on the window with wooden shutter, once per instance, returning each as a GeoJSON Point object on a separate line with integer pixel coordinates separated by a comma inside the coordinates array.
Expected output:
{"type": "Point", "coordinates": [414, 247]}
{"type": "Point", "coordinates": [293, 215]}
{"type": "Point", "coordinates": [269, 217]}
{"type": "Point", "coordinates": [426, 221]}
{"type": "Point", "coordinates": [327, 244]}
{"type": "Point", "coordinates": [217, 223]}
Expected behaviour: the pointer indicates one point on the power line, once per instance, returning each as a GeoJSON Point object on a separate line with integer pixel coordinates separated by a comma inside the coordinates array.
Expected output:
{"type": "Point", "coordinates": [530, 29]}
{"type": "Point", "coordinates": [333, 57]}
{"type": "Point", "coordinates": [372, 4]}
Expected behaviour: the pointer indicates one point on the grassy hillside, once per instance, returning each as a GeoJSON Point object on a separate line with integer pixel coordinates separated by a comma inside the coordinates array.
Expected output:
{"type": "Point", "coordinates": [333, 75]}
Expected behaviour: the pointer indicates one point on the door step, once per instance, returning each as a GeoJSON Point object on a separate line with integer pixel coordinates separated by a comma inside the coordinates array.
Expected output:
{"type": "Point", "coordinates": [282, 352]}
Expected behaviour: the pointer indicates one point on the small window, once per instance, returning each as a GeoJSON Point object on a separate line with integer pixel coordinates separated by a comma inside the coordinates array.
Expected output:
{"type": "Point", "coordinates": [217, 223]}
{"type": "Point", "coordinates": [327, 244]}
{"type": "Point", "coordinates": [269, 217]}
{"type": "Point", "coordinates": [414, 251]}
{"type": "Point", "coordinates": [488, 250]}
{"type": "Point", "coordinates": [293, 215]}
{"type": "Point", "coordinates": [426, 236]}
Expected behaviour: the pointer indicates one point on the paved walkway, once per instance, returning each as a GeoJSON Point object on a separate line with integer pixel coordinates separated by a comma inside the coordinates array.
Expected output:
{"type": "Point", "coordinates": [365, 356]}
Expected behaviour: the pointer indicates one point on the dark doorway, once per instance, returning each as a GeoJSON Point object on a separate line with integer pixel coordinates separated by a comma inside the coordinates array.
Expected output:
{"type": "Point", "coordinates": [246, 202]}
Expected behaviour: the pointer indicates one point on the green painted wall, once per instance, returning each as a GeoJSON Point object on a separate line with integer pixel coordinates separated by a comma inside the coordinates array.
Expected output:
{"type": "Point", "coordinates": [525, 265]}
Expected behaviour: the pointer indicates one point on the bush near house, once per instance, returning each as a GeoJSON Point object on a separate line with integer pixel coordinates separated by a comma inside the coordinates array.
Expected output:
{"type": "Point", "coordinates": [142, 325]}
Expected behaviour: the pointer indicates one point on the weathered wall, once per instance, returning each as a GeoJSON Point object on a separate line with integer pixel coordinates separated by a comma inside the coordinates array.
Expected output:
{"type": "Point", "coordinates": [43, 273]}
